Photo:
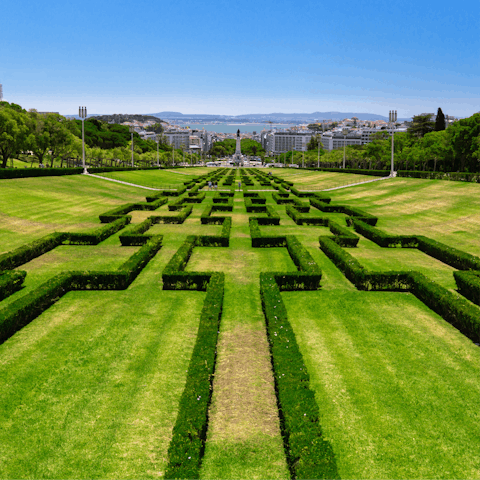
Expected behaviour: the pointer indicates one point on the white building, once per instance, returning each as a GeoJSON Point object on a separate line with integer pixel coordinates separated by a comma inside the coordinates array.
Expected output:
{"type": "Point", "coordinates": [280, 142]}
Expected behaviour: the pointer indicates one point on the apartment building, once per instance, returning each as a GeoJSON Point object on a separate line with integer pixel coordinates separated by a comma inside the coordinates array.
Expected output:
{"type": "Point", "coordinates": [189, 139]}
{"type": "Point", "coordinates": [280, 142]}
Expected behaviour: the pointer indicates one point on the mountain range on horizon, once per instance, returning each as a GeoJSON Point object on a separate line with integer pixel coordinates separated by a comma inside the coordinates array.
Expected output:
{"type": "Point", "coordinates": [263, 117]}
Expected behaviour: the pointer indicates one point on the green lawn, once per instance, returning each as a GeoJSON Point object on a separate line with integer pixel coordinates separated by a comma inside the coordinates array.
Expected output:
{"type": "Point", "coordinates": [398, 387]}
{"type": "Point", "coordinates": [90, 389]}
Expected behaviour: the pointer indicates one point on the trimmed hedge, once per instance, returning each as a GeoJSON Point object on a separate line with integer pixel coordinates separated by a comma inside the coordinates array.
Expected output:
{"type": "Point", "coordinates": [303, 220]}
{"type": "Point", "coordinates": [222, 240]}
{"type": "Point", "coordinates": [94, 237]}
{"type": "Point", "coordinates": [468, 284]}
{"type": "Point", "coordinates": [384, 239]}
{"type": "Point", "coordinates": [135, 235]}
{"type": "Point", "coordinates": [343, 236]}
{"type": "Point", "coordinates": [359, 171]}
{"type": "Point", "coordinates": [455, 176]}
{"type": "Point", "coordinates": [175, 278]}
{"type": "Point", "coordinates": [152, 204]}
{"type": "Point", "coordinates": [450, 306]}
{"type": "Point", "coordinates": [309, 456]}
{"type": "Point", "coordinates": [22, 311]}
{"type": "Point", "coordinates": [449, 255]}
{"type": "Point", "coordinates": [177, 219]}
{"type": "Point", "coordinates": [259, 241]}
{"type": "Point", "coordinates": [10, 282]}
{"type": "Point", "coordinates": [26, 253]}
{"type": "Point", "coordinates": [187, 445]}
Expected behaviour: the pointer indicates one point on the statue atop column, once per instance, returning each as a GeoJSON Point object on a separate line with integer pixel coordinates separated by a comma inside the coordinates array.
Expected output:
{"type": "Point", "coordinates": [238, 158]}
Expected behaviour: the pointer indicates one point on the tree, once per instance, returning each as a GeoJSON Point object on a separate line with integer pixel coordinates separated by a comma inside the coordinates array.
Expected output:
{"type": "Point", "coordinates": [434, 146]}
{"type": "Point", "coordinates": [13, 131]}
{"type": "Point", "coordinates": [440, 121]}
{"type": "Point", "coordinates": [420, 125]}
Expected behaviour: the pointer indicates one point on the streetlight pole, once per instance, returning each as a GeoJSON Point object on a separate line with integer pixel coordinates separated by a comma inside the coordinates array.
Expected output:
{"type": "Point", "coordinates": [82, 113]}
{"type": "Point", "coordinates": [345, 131]}
{"type": "Point", "coordinates": [392, 117]}
{"type": "Point", "coordinates": [132, 129]}
{"type": "Point", "coordinates": [157, 139]}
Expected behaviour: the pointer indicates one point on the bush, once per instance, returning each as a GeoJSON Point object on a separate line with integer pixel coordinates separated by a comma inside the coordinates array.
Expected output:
{"type": "Point", "coordinates": [468, 284]}
{"type": "Point", "coordinates": [308, 454]}
{"type": "Point", "coordinates": [302, 220]}
{"type": "Point", "coordinates": [177, 219]}
{"type": "Point", "coordinates": [189, 435]}
{"type": "Point", "coordinates": [222, 240]}
{"type": "Point", "coordinates": [26, 253]}
{"type": "Point", "coordinates": [343, 236]}
{"type": "Point", "coordinates": [10, 282]}
{"type": "Point", "coordinates": [384, 239]}
{"type": "Point", "coordinates": [22, 311]}
{"type": "Point", "coordinates": [94, 237]}
{"type": "Point", "coordinates": [259, 241]}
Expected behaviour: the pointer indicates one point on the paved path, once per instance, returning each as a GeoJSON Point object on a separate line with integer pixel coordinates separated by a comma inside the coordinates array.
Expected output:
{"type": "Point", "coordinates": [358, 183]}
{"type": "Point", "coordinates": [126, 183]}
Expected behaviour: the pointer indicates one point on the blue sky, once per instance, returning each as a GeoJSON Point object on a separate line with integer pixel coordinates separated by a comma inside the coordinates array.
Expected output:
{"type": "Point", "coordinates": [241, 57]}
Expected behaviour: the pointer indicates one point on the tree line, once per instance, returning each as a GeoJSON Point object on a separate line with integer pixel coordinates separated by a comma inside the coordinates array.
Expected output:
{"type": "Point", "coordinates": [426, 145]}
{"type": "Point", "coordinates": [53, 140]}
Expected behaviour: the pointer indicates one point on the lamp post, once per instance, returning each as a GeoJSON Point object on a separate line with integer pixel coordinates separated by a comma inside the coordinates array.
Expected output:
{"type": "Point", "coordinates": [344, 131]}
{"type": "Point", "coordinates": [82, 113]}
{"type": "Point", "coordinates": [131, 130]}
{"type": "Point", "coordinates": [392, 118]}
{"type": "Point", "coordinates": [303, 159]}
{"type": "Point", "coordinates": [157, 139]}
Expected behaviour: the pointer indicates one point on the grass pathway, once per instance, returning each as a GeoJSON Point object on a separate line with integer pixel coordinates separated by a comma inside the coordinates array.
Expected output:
{"type": "Point", "coordinates": [244, 438]}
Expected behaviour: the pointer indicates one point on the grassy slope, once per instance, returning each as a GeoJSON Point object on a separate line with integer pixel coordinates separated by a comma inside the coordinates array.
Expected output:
{"type": "Point", "coordinates": [90, 388]}
{"type": "Point", "coordinates": [397, 386]}
{"type": "Point", "coordinates": [33, 207]}
{"type": "Point", "coordinates": [446, 211]}
{"type": "Point", "coordinates": [320, 180]}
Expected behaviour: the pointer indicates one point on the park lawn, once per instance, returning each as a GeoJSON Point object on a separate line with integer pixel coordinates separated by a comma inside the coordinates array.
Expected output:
{"type": "Point", "coordinates": [378, 259]}
{"type": "Point", "coordinates": [319, 180]}
{"type": "Point", "coordinates": [155, 178]}
{"type": "Point", "coordinates": [244, 438]}
{"type": "Point", "coordinates": [33, 207]}
{"type": "Point", "coordinates": [397, 386]}
{"type": "Point", "coordinates": [90, 389]}
{"type": "Point", "coordinates": [448, 212]}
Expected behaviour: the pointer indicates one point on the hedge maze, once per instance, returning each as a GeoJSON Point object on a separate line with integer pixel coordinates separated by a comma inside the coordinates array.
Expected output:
{"type": "Point", "coordinates": [265, 202]}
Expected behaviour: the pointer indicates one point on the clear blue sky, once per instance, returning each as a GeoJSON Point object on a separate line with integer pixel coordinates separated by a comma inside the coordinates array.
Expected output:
{"type": "Point", "coordinates": [230, 57]}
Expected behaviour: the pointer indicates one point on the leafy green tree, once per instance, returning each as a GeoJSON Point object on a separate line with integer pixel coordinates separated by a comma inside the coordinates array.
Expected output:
{"type": "Point", "coordinates": [13, 131]}
{"type": "Point", "coordinates": [156, 127]}
{"type": "Point", "coordinates": [434, 146]}
{"type": "Point", "coordinates": [440, 121]}
{"type": "Point", "coordinates": [421, 125]}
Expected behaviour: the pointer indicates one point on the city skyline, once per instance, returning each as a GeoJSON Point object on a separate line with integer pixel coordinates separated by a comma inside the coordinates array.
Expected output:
{"type": "Point", "coordinates": [232, 59]}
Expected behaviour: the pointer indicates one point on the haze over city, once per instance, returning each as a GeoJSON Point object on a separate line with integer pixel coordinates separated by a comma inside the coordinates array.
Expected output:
{"type": "Point", "coordinates": [232, 58]}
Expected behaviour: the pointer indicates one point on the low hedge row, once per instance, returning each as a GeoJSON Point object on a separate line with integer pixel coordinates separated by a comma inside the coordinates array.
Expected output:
{"type": "Point", "coordinates": [343, 236]}
{"type": "Point", "coordinates": [135, 235]}
{"type": "Point", "coordinates": [116, 213]}
{"type": "Point", "coordinates": [452, 307]}
{"type": "Point", "coordinates": [468, 283]}
{"type": "Point", "coordinates": [175, 278]}
{"type": "Point", "coordinates": [359, 171]}
{"type": "Point", "coordinates": [300, 219]}
{"type": "Point", "coordinates": [456, 176]}
{"type": "Point", "coordinates": [449, 255]}
{"type": "Point", "coordinates": [199, 198]}
{"type": "Point", "coordinates": [177, 219]}
{"type": "Point", "coordinates": [255, 197]}
{"type": "Point", "coordinates": [254, 207]}
{"type": "Point", "coordinates": [259, 241]}
{"type": "Point", "coordinates": [174, 193]}
{"type": "Point", "coordinates": [22, 311]}
{"type": "Point", "coordinates": [383, 239]}
{"type": "Point", "coordinates": [10, 282]}
{"type": "Point", "coordinates": [351, 211]}
{"type": "Point", "coordinates": [26, 253]}
{"type": "Point", "coordinates": [187, 445]}
{"type": "Point", "coordinates": [222, 240]}
{"type": "Point", "coordinates": [177, 204]}
{"type": "Point", "coordinates": [94, 237]}
{"type": "Point", "coordinates": [309, 273]}
{"type": "Point", "coordinates": [309, 455]}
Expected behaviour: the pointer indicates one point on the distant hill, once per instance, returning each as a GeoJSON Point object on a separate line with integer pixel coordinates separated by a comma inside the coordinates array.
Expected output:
{"type": "Point", "coordinates": [275, 117]}
{"type": "Point", "coordinates": [122, 117]}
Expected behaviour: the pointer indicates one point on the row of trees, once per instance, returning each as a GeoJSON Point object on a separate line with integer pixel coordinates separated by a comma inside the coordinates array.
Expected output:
{"type": "Point", "coordinates": [427, 145]}
{"type": "Point", "coordinates": [53, 140]}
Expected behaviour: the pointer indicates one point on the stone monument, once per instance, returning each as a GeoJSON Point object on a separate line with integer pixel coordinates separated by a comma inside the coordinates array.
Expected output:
{"type": "Point", "coordinates": [238, 157]}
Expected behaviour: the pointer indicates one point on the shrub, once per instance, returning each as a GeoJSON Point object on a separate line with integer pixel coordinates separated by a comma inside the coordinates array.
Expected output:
{"type": "Point", "coordinates": [308, 454]}
{"type": "Point", "coordinates": [187, 445]}
{"type": "Point", "coordinates": [94, 237]}
{"type": "Point", "coordinates": [468, 284]}
{"type": "Point", "coordinates": [384, 239]}
{"type": "Point", "coordinates": [179, 218]}
{"type": "Point", "coordinates": [10, 282]}
{"type": "Point", "coordinates": [26, 253]}
{"type": "Point", "coordinates": [222, 240]}
{"type": "Point", "coordinates": [303, 220]}
{"type": "Point", "coordinates": [343, 236]}
{"type": "Point", "coordinates": [260, 241]}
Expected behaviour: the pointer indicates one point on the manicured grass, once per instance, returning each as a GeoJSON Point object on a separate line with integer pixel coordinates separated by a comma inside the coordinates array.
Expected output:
{"type": "Point", "coordinates": [90, 389]}
{"type": "Point", "coordinates": [445, 211]}
{"type": "Point", "coordinates": [33, 207]}
{"type": "Point", "coordinates": [156, 178]}
{"type": "Point", "coordinates": [398, 387]}
{"type": "Point", "coordinates": [319, 180]}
